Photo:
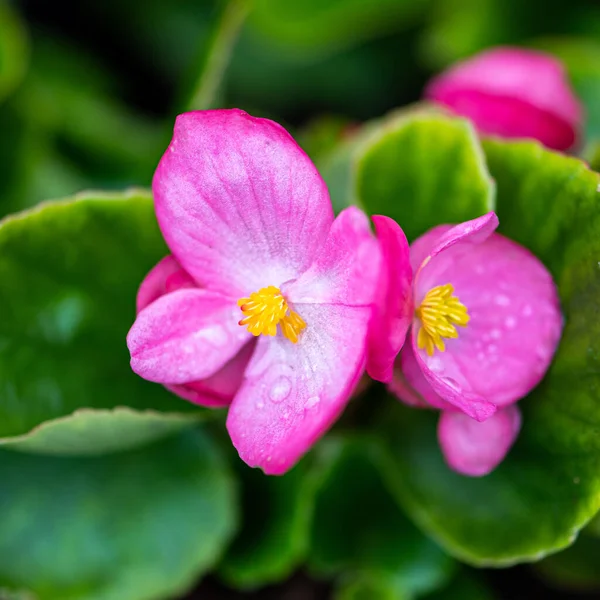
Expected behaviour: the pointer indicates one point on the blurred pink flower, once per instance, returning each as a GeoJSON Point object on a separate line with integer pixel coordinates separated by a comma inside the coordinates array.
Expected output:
{"type": "Point", "coordinates": [485, 328]}
{"type": "Point", "coordinates": [266, 300]}
{"type": "Point", "coordinates": [513, 93]}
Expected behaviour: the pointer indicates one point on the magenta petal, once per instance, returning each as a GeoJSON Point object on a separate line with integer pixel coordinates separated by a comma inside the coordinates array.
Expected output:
{"type": "Point", "coordinates": [515, 323]}
{"type": "Point", "coordinates": [394, 303]}
{"type": "Point", "coordinates": [293, 393]}
{"type": "Point", "coordinates": [345, 270]}
{"type": "Point", "coordinates": [184, 336]}
{"type": "Point", "coordinates": [512, 92]}
{"type": "Point", "coordinates": [219, 389]}
{"type": "Point", "coordinates": [476, 449]}
{"type": "Point", "coordinates": [409, 383]}
{"type": "Point", "coordinates": [167, 276]}
{"type": "Point", "coordinates": [239, 203]}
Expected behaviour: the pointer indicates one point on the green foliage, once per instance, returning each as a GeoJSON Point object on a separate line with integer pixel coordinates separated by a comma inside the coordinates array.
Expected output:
{"type": "Point", "coordinates": [70, 271]}
{"type": "Point", "coordinates": [272, 541]}
{"type": "Point", "coordinates": [139, 525]}
{"type": "Point", "coordinates": [549, 203]}
{"type": "Point", "coordinates": [423, 170]}
{"type": "Point", "coordinates": [359, 531]}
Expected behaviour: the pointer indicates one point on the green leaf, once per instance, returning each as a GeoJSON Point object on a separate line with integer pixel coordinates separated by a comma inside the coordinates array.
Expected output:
{"type": "Point", "coordinates": [70, 272]}
{"type": "Point", "coordinates": [14, 51]}
{"type": "Point", "coordinates": [357, 527]}
{"type": "Point", "coordinates": [549, 486]}
{"type": "Point", "coordinates": [576, 568]}
{"type": "Point", "coordinates": [274, 533]}
{"type": "Point", "coordinates": [423, 170]}
{"type": "Point", "coordinates": [89, 432]}
{"type": "Point", "coordinates": [140, 525]}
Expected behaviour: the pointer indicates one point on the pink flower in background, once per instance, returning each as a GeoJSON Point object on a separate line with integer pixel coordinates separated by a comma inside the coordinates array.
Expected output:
{"type": "Point", "coordinates": [486, 323]}
{"type": "Point", "coordinates": [266, 300]}
{"type": "Point", "coordinates": [513, 93]}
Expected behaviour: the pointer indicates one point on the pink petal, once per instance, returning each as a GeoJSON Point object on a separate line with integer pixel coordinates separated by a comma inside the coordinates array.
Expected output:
{"type": "Point", "coordinates": [515, 322]}
{"type": "Point", "coordinates": [409, 383]}
{"type": "Point", "coordinates": [512, 92]}
{"type": "Point", "coordinates": [239, 203]}
{"type": "Point", "coordinates": [167, 276]}
{"type": "Point", "coordinates": [345, 270]}
{"type": "Point", "coordinates": [394, 304]}
{"type": "Point", "coordinates": [294, 392]}
{"type": "Point", "coordinates": [219, 389]}
{"type": "Point", "coordinates": [476, 449]}
{"type": "Point", "coordinates": [184, 336]}
{"type": "Point", "coordinates": [462, 237]}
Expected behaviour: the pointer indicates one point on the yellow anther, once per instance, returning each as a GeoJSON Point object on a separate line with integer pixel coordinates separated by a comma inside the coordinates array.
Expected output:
{"type": "Point", "coordinates": [266, 309]}
{"type": "Point", "coordinates": [439, 312]}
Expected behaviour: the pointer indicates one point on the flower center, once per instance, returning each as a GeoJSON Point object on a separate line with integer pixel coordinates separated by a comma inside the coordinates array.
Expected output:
{"type": "Point", "coordinates": [439, 312]}
{"type": "Point", "coordinates": [266, 309]}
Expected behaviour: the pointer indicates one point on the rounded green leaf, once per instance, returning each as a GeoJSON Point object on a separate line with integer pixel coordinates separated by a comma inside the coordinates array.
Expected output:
{"type": "Point", "coordinates": [70, 272]}
{"type": "Point", "coordinates": [358, 528]}
{"type": "Point", "coordinates": [423, 170]}
{"type": "Point", "coordinates": [88, 432]}
{"type": "Point", "coordinates": [140, 525]}
{"type": "Point", "coordinates": [274, 532]}
{"type": "Point", "coordinates": [548, 487]}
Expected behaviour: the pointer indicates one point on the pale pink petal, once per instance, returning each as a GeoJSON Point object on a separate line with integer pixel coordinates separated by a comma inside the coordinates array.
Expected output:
{"type": "Point", "coordinates": [239, 203]}
{"type": "Point", "coordinates": [219, 389]}
{"type": "Point", "coordinates": [476, 449]}
{"type": "Point", "coordinates": [184, 336]}
{"type": "Point", "coordinates": [166, 276]}
{"type": "Point", "coordinates": [515, 320]}
{"type": "Point", "coordinates": [512, 92]}
{"type": "Point", "coordinates": [293, 393]}
{"type": "Point", "coordinates": [409, 383]}
{"type": "Point", "coordinates": [345, 270]}
{"type": "Point", "coordinates": [394, 302]}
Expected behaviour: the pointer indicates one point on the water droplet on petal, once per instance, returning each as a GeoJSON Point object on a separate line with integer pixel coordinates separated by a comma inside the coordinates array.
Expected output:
{"type": "Point", "coordinates": [280, 389]}
{"type": "Point", "coordinates": [495, 334]}
{"type": "Point", "coordinates": [312, 401]}
{"type": "Point", "coordinates": [510, 322]}
{"type": "Point", "coordinates": [502, 300]}
{"type": "Point", "coordinates": [527, 310]}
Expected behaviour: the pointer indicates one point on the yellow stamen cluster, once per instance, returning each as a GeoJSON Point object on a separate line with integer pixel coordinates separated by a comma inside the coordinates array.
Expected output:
{"type": "Point", "coordinates": [439, 312]}
{"type": "Point", "coordinates": [266, 309]}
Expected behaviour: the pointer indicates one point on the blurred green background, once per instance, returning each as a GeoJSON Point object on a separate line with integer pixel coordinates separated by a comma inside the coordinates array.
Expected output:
{"type": "Point", "coordinates": [89, 91]}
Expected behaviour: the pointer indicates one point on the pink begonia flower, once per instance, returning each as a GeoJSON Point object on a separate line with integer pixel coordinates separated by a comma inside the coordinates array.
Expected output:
{"type": "Point", "coordinates": [264, 305]}
{"type": "Point", "coordinates": [486, 323]}
{"type": "Point", "coordinates": [513, 93]}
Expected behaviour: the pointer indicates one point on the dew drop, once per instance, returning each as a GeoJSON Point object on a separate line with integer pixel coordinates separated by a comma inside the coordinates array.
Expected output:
{"type": "Point", "coordinates": [510, 322]}
{"type": "Point", "coordinates": [502, 300]}
{"type": "Point", "coordinates": [281, 389]}
{"type": "Point", "coordinates": [312, 401]}
{"type": "Point", "coordinates": [492, 348]}
{"type": "Point", "coordinates": [215, 335]}
{"type": "Point", "coordinates": [495, 334]}
{"type": "Point", "coordinates": [527, 310]}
